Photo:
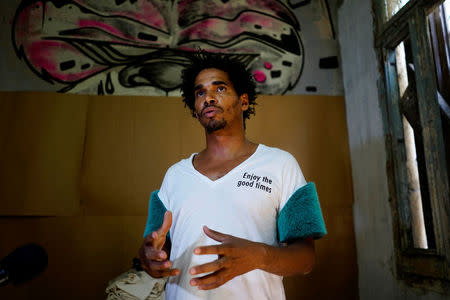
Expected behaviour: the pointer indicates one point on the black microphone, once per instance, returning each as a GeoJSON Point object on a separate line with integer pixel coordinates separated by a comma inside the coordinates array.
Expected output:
{"type": "Point", "coordinates": [23, 264]}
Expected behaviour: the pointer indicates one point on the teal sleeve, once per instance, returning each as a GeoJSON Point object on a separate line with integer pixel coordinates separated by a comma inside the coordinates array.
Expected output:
{"type": "Point", "coordinates": [156, 210]}
{"type": "Point", "coordinates": [301, 216]}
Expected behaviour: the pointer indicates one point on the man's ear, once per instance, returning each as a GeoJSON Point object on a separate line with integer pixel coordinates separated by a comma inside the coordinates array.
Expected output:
{"type": "Point", "coordinates": [244, 101]}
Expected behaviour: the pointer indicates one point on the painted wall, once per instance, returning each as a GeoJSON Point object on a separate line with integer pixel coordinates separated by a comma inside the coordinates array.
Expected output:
{"type": "Point", "coordinates": [139, 47]}
{"type": "Point", "coordinates": [76, 173]}
{"type": "Point", "coordinates": [371, 210]}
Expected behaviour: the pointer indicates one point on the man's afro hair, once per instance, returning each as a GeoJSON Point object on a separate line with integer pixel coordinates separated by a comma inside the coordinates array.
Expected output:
{"type": "Point", "coordinates": [242, 80]}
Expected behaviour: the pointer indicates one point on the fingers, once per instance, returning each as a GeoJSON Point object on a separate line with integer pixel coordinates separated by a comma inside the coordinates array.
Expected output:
{"type": "Point", "coordinates": [159, 265]}
{"type": "Point", "coordinates": [148, 240]}
{"type": "Point", "coordinates": [215, 235]}
{"type": "Point", "coordinates": [151, 253]}
{"type": "Point", "coordinates": [160, 273]}
{"type": "Point", "coordinates": [210, 281]}
{"type": "Point", "coordinates": [215, 249]}
{"type": "Point", "coordinates": [170, 272]}
{"type": "Point", "coordinates": [157, 238]}
{"type": "Point", "coordinates": [209, 267]}
{"type": "Point", "coordinates": [212, 249]}
{"type": "Point", "coordinates": [167, 222]}
{"type": "Point", "coordinates": [154, 261]}
{"type": "Point", "coordinates": [152, 239]}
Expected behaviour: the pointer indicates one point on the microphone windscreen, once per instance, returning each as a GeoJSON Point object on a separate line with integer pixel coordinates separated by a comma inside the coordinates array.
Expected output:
{"type": "Point", "coordinates": [24, 263]}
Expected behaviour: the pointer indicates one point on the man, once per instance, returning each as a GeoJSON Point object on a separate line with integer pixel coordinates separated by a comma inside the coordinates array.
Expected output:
{"type": "Point", "coordinates": [241, 215]}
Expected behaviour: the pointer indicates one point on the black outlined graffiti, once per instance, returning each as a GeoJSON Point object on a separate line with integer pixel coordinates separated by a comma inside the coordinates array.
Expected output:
{"type": "Point", "coordinates": [141, 46]}
{"type": "Point", "coordinates": [298, 3]}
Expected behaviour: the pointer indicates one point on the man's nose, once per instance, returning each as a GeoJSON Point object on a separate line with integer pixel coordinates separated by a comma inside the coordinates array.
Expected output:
{"type": "Point", "coordinates": [210, 99]}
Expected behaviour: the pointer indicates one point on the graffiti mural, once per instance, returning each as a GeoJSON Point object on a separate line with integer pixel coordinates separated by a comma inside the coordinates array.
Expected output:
{"type": "Point", "coordinates": [139, 47]}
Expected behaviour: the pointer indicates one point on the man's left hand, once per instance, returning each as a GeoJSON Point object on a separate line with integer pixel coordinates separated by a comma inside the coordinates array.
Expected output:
{"type": "Point", "coordinates": [236, 257]}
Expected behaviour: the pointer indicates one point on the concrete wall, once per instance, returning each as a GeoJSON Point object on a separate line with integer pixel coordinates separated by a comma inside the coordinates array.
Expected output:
{"type": "Point", "coordinates": [371, 210]}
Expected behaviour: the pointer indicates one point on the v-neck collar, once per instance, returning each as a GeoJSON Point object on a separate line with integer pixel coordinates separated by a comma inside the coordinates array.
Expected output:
{"type": "Point", "coordinates": [213, 182]}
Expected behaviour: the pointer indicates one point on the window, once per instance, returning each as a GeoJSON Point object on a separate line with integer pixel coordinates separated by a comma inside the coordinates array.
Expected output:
{"type": "Point", "coordinates": [393, 6]}
{"type": "Point", "coordinates": [412, 40]}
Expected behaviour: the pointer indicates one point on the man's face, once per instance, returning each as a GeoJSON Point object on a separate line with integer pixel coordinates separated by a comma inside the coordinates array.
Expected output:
{"type": "Point", "coordinates": [217, 104]}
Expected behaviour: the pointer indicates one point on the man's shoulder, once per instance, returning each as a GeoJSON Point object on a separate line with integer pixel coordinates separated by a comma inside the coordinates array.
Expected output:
{"type": "Point", "coordinates": [276, 153]}
{"type": "Point", "coordinates": [184, 163]}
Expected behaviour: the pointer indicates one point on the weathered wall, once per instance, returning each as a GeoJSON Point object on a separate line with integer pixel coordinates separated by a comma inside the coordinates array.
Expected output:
{"type": "Point", "coordinates": [371, 210]}
{"type": "Point", "coordinates": [139, 47]}
{"type": "Point", "coordinates": [88, 165]}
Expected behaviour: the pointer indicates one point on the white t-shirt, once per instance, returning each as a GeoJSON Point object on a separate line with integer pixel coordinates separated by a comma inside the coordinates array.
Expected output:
{"type": "Point", "coordinates": [244, 203]}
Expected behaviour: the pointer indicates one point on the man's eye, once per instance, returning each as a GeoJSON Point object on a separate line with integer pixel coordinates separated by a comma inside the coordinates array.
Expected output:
{"type": "Point", "coordinates": [200, 93]}
{"type": "Point", "coordinates": [221, 89]}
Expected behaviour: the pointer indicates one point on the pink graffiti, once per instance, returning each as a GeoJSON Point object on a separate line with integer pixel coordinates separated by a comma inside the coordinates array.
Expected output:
{"type": "Point", "coordinates": [106, 27]}
{"type": "Point", "coordinates": [251, 18]}
{"type": "Point", "coordinates": [201, 29]}
{"type": "Point", "coordinates": [29, 21]}
{"type": "Point", "coordinates": [140, 12]}
{"type": "Point", "coordinates": [129, 36]}
{"type": "Point", "coordinates": [44, 55]}
{"type": "Point", "coordinates": [232, 9]}
{"type": "Point", "coordinates": [209, 28]}
{"type": "Point", "coordinates": [259, 76]}
{"type": "Point", "coordinates": [267, 65]}
{"type": "Point", "coordinates": [146, 10]}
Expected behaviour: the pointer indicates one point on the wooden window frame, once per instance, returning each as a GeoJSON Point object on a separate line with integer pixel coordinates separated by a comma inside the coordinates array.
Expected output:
{"type": "Point", "coordinates": [426, 268]}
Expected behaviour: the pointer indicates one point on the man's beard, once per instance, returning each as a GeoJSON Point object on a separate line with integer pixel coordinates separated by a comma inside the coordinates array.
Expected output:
{"type": "Point", "coordinates": [214, 125]}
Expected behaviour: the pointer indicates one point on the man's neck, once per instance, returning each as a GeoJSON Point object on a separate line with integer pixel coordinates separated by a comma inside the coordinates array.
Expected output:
{"type": "Point", "coordinates": [222, 145]}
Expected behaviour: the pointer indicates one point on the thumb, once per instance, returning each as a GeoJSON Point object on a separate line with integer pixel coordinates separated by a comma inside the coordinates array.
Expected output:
{"type": "Point", "coordinates": [159, 236]}
{"type": "Point", "coordinates": [215, 235]}
{"type": "Point", "coordinates": [167, 222]}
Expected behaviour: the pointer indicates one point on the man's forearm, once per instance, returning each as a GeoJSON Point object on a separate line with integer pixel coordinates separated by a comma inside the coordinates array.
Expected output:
{"type": "Point", "coordinates": [295, 258]}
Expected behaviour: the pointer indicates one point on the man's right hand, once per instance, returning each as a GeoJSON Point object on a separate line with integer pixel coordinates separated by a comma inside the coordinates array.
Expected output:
{"type": "Point", "coordinates": [154, 259]}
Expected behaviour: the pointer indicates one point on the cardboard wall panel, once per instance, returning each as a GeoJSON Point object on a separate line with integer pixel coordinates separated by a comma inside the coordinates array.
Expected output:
{"type": "Point", "coordinates": [130, 143]}
{"type": "Point", "coordinates": [313, 129]}
{"type": "Point", "coordinates": [84, 253]}
{"type": "Point", "coordinates": [42, 137]}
